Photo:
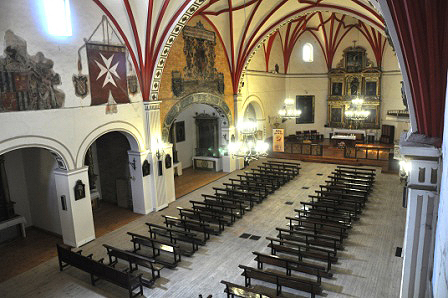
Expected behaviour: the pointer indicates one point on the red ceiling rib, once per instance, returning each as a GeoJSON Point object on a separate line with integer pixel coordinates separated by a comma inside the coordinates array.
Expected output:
{"type": "Point", "coordinates": [145, 68]}
{"type": "Point", "coordinates": [268, 48]}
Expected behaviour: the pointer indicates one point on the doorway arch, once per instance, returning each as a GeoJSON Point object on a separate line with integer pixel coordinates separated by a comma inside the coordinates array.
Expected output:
{"type": "Point", "coordinates": [216, 102]}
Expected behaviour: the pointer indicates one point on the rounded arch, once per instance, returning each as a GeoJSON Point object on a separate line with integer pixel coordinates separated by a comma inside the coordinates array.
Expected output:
{"type": "Point", "coordinates": [257, 104]}
{"type": "Point", "coordinates": [131, 133]}
{"type": "Point", "coordinates": [196, 98]}
{"type": "Point", "coordinates": [59, 150]}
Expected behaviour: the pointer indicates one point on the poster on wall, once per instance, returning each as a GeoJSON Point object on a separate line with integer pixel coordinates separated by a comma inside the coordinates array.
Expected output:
{"type": "Point", "coordinates": [278, 140]}
{"type": "Point", "coordinates": [107, 71]}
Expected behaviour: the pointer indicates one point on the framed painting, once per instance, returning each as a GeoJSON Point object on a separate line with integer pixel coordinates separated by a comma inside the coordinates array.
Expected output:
{"type": "Point", "coordinates": [336, 88]}
{"type": "Point", "coordinates": [305, 103]}
{"type": "Point", "coordinates": [371, 88]}
{"type": "Point", "coordinates": [180, 131]}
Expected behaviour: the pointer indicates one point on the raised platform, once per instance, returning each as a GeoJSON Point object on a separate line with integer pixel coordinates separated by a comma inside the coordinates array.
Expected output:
{"type": "Point", "coordinates": [335, 155]}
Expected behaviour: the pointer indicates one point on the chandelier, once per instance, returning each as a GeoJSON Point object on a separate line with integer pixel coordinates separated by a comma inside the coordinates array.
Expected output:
{"type": "Point", "coordinates": [250, 148]}
{"type": "Point", "coordinates": [289, 111]}
{"type": "Point", "coordinates": [355, 112]}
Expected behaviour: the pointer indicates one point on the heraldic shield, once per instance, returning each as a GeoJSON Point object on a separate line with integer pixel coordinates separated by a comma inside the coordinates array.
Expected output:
{"type": "Point", "coordinates": [81, 86]}
{"type": "Point", "coordinates": [107, 73]}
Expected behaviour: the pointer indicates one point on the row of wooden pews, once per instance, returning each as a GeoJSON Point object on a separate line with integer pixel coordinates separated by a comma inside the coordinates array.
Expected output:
{"type": "Point", "coordinates": [164, 245]}
{"type": "Point", "coordinates": [308, 247]}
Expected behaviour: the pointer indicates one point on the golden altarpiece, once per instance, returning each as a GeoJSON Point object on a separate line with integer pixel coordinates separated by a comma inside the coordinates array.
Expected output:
{"type": "Point", "coordinates": [354, 77]}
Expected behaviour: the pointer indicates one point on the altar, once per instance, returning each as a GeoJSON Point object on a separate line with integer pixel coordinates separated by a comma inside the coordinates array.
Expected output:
{"type": "Point", "coordinates": [349, 140]}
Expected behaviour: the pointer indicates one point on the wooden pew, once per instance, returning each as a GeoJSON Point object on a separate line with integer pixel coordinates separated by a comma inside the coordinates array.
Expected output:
{"type": "Point", "coordinates": [290, 264]}
{"type": "Point", "coordinates": [334, 202]}
{"type": "Point", "coordinates": [317, 226]}
{"type": "Point", "coordinates": [342, 172]}
{"type": "Point", "coordinates": [329, 217]}
{"type": "Point", "coordinates": [134, 260]}
{"type": "Point", "coordinates": [342, 183]}
{"type": "Point", "coordinates": [291, 165]}
{"type": "Point", "coordinates": [229, 213]}
{"type": "Point", "coordinates": [175, 235]}
{"type": "Point", "coordinates": [301, 251]}
{"type": "Point", "coordinates": [157, 245]}
{"type": "Point", "coordinates": [98, 270]}
{"type": "Point", "coordinates": [330, 209]}
{"type": "Point", "coordinates": [234, 290]}
{"type": "Point", "coordinates": [340, 198]}
{"type": "Point", "coordinates": [186, 213]}
{"type": "Point", "coordinates": [263, 188]}
{"type": "Point", "coordinates": [350, 192]}
{"type": "Point", "coordinates": [263, 178]}
{"type": "Point", "coordinates": [351, 180]}
{"type": "Point", "coordinates": [256, 191]}
{"type": "Point", "coordinates": [238, 210]}
{"type": "Point", "coordinates": [190, 225]}
{"type": "Point", "coordinates": [311, 239]}
{"type": "Point", "coordinates": [282, 173]}
{"type": "Point", "coordinates": [281, 280]}
{"type": "Point", "coordinates": [225, 199]}
{"type": "Point", "coordinates": [284, 167]}
{"type": "Point", "coordinates": [270, 175]}
{"type": "Point", "coordinates": [247, 197]}
{"type": "Point", "coordinates": [365, 179]}
{"type": "Point", "coordinates": [270, 187]}
{"type": "Point", "coordinates": [368, 170]}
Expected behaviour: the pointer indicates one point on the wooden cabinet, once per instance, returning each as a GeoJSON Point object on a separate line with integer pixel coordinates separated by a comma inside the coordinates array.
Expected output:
{"type": "Point", "coordinates": [387, 134]}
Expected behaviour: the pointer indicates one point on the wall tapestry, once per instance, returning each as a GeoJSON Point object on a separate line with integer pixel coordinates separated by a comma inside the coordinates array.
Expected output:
{"type": "Point", "coordinates": [200, 73]}
{"type": "Point", "coordinates": [107, 73]}
{"type": "Point", "coordinates": [27, 82]}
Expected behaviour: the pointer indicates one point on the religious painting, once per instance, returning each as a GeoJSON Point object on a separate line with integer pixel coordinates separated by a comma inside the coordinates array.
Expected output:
{"type": "Point", "coordinates": [200, 70]}
{"type": "Point", "coordinates": [336, 115]}
{"type": "Point", "coordinates": [336, 88]}
{"type": "Point", "coordinates": [371, 88]}
{"type": "Point", "coordinates": [107, 73]}
{"type": "Point", "coordinates": [354, 59]}
{"type": "Point", "coordinates": [305, 103]}
{"type": "Point", "coordinates": [372, 116]}
{"type": "Point", "coordinates": [278, 140]}
{"type": "Point", "coordinates": [27, 82]}
{"type": "Point", "coordinates": [180, 131]}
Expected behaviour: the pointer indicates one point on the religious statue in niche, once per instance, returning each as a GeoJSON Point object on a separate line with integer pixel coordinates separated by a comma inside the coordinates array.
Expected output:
{"type": "Point", "coordinates": [354, 84]}
{"type": "Point", "coordinates": [27, 82]}
{"type": "Point", "coordinates": [200, 72]}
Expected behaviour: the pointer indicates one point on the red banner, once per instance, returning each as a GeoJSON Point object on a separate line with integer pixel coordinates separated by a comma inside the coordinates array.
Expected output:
{"type": "Point", "coordinates": [107, 72]}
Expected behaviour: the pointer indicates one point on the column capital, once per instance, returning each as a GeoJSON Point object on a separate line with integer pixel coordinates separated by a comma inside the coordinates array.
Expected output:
{"type": "Point", "coordinates": [152, 105]}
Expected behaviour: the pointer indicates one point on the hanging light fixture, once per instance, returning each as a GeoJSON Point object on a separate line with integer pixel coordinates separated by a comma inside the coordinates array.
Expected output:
{"type": "Point", "coordinates": [355, 112]}
{"type": "Point", "coordinates": [289, 111]}
{"type": "Point", "coordinates": [249, 147]}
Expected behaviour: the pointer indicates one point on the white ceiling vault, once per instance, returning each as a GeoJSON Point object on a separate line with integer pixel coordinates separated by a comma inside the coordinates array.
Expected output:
{"type": "Point", "coordinates": [149, 27]}
{"type": "Point", "coordinates": [243, 25]}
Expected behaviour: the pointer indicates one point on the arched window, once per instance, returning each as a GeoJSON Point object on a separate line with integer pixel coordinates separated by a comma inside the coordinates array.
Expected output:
{"type": "Point", "coordinates": [307, 52]}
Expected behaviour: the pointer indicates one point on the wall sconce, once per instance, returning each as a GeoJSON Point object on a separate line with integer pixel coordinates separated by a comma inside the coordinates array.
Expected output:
{"type": "Point", "coordinates": [133, 164]}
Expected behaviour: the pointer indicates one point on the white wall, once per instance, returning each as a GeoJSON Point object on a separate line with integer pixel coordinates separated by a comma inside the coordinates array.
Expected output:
{"type": "Point", "coordinates": [440, 271]}
{"type": "Point", "coordinates": [296, 63]}
{"type": "Point", "coordinates": [15, 172]}
{"type": "Point", "coordinates": [186, 149]}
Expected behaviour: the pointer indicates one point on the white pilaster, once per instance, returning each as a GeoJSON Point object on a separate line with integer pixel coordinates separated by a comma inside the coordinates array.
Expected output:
{"type": "Point", "coordinates": [77, 218]}
{"type": "Point", "coordinates": [422, 205]}
{"type": "Point", "coordinates": [154, 142]}
{"type": "Point", "coordinates": [141, 187]}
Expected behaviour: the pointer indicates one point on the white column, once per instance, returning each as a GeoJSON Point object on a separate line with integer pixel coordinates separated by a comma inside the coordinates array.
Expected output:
{"type": "Point", "coordinates": [422, 205]}
{"type": "Point", "coordinates": [141, 187]}
{"type": "Point", "coordinates": [154, 142]}
{"type": "Point", "coordinates": [229, 161]}
{"type": "Point", "coordinates": [76, 216]}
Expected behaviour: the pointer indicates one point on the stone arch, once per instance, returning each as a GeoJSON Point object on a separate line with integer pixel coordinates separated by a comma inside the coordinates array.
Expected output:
{"type": "Point", "coordinates": [61, 153]}
{"type": "Point", "coordinates": [257, 104]}
{"type": "Point", "coordinates": [131, 133]}
{"type": "Point", "coordinates": [196, 98]}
